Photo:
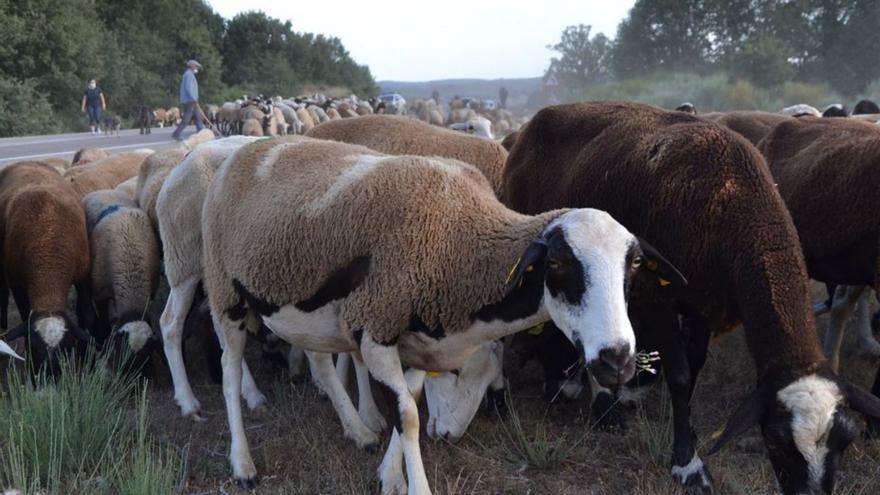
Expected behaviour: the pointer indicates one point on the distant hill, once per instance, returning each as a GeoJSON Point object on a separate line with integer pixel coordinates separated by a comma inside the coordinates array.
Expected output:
{"type": "Point", "coordinates": [518, 89]}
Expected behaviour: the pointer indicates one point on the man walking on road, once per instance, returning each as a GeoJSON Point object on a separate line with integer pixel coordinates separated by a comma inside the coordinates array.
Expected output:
{"type": "Point", "coordinates": [189, 99]}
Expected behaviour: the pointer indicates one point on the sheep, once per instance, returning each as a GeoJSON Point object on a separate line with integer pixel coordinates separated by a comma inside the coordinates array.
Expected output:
{"type": "Point", "coordinates": [832, 163]}
{"type": "Point", "coordinates": [739, 250]}
{"type": "Point", "coordinates": [45, 251]}
{"type": "Point", "coordinates": [88, 155]}
{"type": "Point", "coordinates": [270, 123]}
{"type": "Point", "coordinates": [401, 135]}
{"type": "Point", "coordinates": [212, 112]}
{"type": "Point", "coordinates": [58, 163]}
{"type": "Point", "coordinates": [252, 127]}
{"type": "Point", "coordinates": [751, 125]}
{"type": "Point", "coordinates": [124, 270]}
{"type": "Point", "coordinates": [229, 117]}
{"type": "Point", "coordinates": [364, 109]}
{"type": "Point", "coordinates": [160, 116]}
{"type": "Point", "coordinates": [800, 110]}
{"type": "Point", "coordinates": [151, 175]}
{"type": "Point", "coordinates": [687, 107]}
{"type": "Point", "coordinates": [106, 173]}
{"type": "Point", "coordinates": [333, 114]}
{"type": "Point", "coordinates": [172, 116]}
{"type": "Point", "coordinates": [289, 117]}
{"type": "Point", "coordinates": [306, 118]}
{"type": "Point", "coordinates": [509, 140]}
{"type": "Point", "coordinates": [372, 245]}
{"type": "Point", "coordinates": [835, 110]}
{"type": "Point", "coordinates": [866, 106]}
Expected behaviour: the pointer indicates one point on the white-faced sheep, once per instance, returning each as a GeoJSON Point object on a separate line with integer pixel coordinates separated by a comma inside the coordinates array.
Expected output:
{"type": "Point", "coordinates": [124, 271]}
{"type": "Point", "coordinates": [106, 173]}
{"type": "Point", "coordinates": [45, 252]}
{"type": "Point", "coordinates": [740, 251]}
{"type": "Point", "coordinates": [397, 135]}
{"type": "Point", "coordinates": [370, 246]}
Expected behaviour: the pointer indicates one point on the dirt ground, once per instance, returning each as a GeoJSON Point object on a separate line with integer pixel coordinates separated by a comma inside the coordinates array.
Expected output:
{"type": "Point", "coordinates": [298, 446]}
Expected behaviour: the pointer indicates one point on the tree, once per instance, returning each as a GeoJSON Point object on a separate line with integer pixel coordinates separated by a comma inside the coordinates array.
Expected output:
{"type": "Point", "coordinates": [763, 61]}
{"type": "Point", "coordinates": [583, 60]}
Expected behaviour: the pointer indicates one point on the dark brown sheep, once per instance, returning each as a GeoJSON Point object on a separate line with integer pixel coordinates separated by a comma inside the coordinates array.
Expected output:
{"type": "Point", "coordinates": [397, 135]}
{"type": "Point", "coordinates": [509, 140]}
{"type": "Point", "coordinates": [750, 125]}
{"type": "Point", "coordinates": [704, 196]}
{"type": "Point", "coordinates": [45, 250]}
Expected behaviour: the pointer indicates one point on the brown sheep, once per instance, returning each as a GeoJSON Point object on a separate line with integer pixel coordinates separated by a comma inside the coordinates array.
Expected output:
{"type": "Point", "coordinates": [106, 173]}
{"type": "Point", "coordinates": [88, 155]}
{"type": "Point", "coordinates": [509, 140]}
{"type": "Point", "coordinates": [398, 135]}
{"type": "Point", "coordinates": [151, 176]}
{"type": "Point", "coordinates": [704, 196]}
{"type": "Point", "coordinates": [750, 125]}
{"type": "Point", "coordinates": [45, 250]}
{"type": "Point", "coordinates": [58, 163]}
{"type": "Point", "coordinates": [252, 127]}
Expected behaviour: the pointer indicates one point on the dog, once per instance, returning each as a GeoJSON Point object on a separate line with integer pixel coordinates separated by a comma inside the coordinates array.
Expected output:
{"type": "Point", "coordinates": [112, 123]}
{"type": "Point", "coordinates": [144, 119]}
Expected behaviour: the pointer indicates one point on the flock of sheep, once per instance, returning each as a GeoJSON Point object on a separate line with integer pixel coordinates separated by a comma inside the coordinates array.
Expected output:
{"type": "Point", "coordinates": [626, 234]}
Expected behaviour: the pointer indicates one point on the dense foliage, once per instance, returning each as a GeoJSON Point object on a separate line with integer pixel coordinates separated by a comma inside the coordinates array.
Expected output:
{"type": "Point", "coordinates": [766, 43]}
{"type": "Point", "coordinates": [136, 49]}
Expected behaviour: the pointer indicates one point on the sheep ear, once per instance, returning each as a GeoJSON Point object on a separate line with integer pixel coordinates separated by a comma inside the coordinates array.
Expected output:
{"type": "Point", "coordinates": [19, 331]}
{"type": "Point", "coordinates": [862, 401]}
{"type": "Point", "coordinates": [5, 349]}
{"type": "Point", "coordinates": [748, 414]}
{"type": "Point", "coordinates": [533, 254]}
{"type": "Point", "coordinates": [663, 269]}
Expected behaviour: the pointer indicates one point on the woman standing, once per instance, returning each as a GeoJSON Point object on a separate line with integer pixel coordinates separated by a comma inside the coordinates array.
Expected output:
{"type": "Point", "coordinates": [93, 102]}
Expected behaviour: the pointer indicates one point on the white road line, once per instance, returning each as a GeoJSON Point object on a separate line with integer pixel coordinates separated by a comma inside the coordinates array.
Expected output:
{"type": "Point", "coordinates": [21, 141]}
{"type": "Point", "coordinates": [138, 145]}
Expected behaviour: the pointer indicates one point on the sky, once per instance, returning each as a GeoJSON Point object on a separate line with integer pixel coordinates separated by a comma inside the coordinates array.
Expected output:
{"type": "Point", "coordinates": [414, 40]}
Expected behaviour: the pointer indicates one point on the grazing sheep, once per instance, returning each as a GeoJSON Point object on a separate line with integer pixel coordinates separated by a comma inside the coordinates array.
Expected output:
{"type": "Point", "coordinates": [252, 127]}
{"type": "Point", "coordinates": [88, 155]}
{"type": "Point", "coordinates": [406, 260]}
{"type": "Point", "coordinates": [172, 116]}
{"type": "Point", "coordinates": [160, 116]}
{"type": "Point", "coordinates": [751, 125]}
{"type": "Point", "coordinates": [58, 163]}
{"type": "Point", "coordinates": [212, 112]}
{"type": "Point", "coordinates": [308, 123]}
{"type": "Point", "coordinates": [333, 114]}
{"type": "Point", "coordinates": [106, 173]}
{"type": "Point", "coordinates": [229, 118]}
{"type": "Point", "coordinates": [866, 106]}
{"type": "Point", "coordinates": [398, 135]}
{"type": "Point", "coordinates": [835, 110]}
{"type": "Point", "coordinates": [801, 110]}
{"type": "Point", "coordinates": [364, 109]}
{"type": "Point", "coordinates": [124, 271]}
{"type": "Point", "coordinates": [152, 174]}
{"type": "Point", "coordinates": [45, 250]}
{"type": "Point", "coordinates": [739, 249]}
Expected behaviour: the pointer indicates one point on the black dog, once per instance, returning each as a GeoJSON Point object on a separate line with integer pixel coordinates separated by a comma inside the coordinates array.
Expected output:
{"type": "Point", "coordinates": [144, 119]}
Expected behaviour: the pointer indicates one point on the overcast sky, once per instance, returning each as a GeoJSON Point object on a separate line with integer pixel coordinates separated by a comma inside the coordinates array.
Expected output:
{"type": "Point", "coordinates": [412, 40]}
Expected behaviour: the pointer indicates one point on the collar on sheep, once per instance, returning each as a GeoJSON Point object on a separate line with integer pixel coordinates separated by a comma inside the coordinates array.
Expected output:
{"type": "Point", "coordinates": [106, 212]}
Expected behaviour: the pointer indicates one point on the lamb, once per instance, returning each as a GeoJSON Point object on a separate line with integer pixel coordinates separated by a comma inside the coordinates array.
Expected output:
{"type": "Point", "coordinates": [106, 173]}
{"type": "Point", "coordinates": [88, 155]}
{"type": "Point", "coordinates": [866, 106]}
{"type": "Point", "coordinates": [371, 245]}
{"type": "Point", "coordinates": [751, 125]}
{"type": "Point", "coordinates": [398, 135]}
{"type": "Point", "coordinates": [45, 251]}
{"type": "Point", "coordinates": [124, 270]}
{"type": "Point", "coordinates": [832, 163]}
{"type": "Point", "coordinates": [252, 127]}
{"type": "Point", "coordinates": [739, 250]}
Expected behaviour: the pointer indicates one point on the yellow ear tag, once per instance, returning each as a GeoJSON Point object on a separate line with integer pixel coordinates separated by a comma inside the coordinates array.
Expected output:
{"type": "Point", "coordinates": [530, 268]}
{"type": "Point", "coordinates": [432, 374]}
{"type": "Point", "coordinates": [664, 282]}
{"type": "Point", "coordinates": [536, 330]}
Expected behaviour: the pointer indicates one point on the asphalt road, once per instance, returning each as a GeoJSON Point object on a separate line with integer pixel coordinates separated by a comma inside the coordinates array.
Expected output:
{"type": "Point", "coordinates": [65, 145]}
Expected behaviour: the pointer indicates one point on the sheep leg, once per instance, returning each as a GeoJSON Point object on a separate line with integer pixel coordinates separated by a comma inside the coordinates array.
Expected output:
{"type": "Point", "coordinates": [367, 409]}
{"type": "Point", "coordinates": [249, 390]}
{"type": "Point", "coordinates": [868, 345]}
{"type": "Point", "coordinates": [295, 360]}
{"type": "Point", "coordinates": [845, 299]}
{"type": "Point", "coordinates": [383, 361]}
{"type": "Point", "coordinates": [180, 299]}
{"type": "Point", "coordinates": [873, 425]}
{"type": "Point", "coordinates": [343, 362]}
{"type": "Point", "coordinates": [321, 365]}
{"type": "Point", "coordinates": [243, 470]}
{"type": "Point", "coordinates": [676, 351]}
{"type": "Point", "coordinates": [391, 469]}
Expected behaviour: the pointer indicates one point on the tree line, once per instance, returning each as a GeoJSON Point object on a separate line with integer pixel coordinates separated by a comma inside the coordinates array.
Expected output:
{"type": "Point", "coordinates": [136, 49]}
{"type": "Point", "coordinates": [766, 42]}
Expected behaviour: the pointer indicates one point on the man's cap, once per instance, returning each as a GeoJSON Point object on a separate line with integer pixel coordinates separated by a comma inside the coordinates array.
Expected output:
{"type": "Point", "coordinates": [193, 61]}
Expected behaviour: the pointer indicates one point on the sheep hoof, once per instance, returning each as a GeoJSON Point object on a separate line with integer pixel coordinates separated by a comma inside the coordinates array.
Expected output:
{"type": "Point", "coordinates": [198, 417]}
{"type": "Point", "coordinates": [247, 483]}
{"type": "Point", "coordinates": [255, 400]}
{"type": "Point", "coordinates": [694, 478]}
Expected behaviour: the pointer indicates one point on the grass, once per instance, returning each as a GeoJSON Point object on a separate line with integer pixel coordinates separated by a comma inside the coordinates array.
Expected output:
{"type": "Point", "coordinates": [530, 448]}
{"type": "Point", "coordinates": [655, 430]}
{"type": "Point", "coordinates": [85, 432]}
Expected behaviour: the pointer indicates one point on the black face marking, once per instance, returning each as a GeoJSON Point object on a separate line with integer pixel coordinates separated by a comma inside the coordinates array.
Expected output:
{"type": "Point", "coordinates": [338, 285]}
{"type": "Point", "coordinates": [519, 302]}
{"type": "Point", "coordinates": [566, 276]}
{"type": "Point", "coordinates": [634, 253]}
{"type": "Point", "coordinates": [417, 325]}
{"type": "Point", "coordinates": [263, 307]}
{"type": "Point", "coordinates": [789, 465]}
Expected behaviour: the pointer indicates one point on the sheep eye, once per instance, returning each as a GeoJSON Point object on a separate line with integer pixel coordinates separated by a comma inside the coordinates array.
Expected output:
{"type": "Point", "coordinates": [637, 262]}
{"type": "Point", "coordinates": [554, 264]}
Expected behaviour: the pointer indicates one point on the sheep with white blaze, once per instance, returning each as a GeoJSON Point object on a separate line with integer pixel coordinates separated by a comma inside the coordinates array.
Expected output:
{"type": "Point", "coordinates": [408, 260]}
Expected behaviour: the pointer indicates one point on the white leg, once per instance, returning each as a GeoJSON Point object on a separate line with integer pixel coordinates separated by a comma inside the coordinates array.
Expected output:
{"type": "Point", "coordinates": [868, 345]}
{"type": "Point", "coordinates": [325, 374]}
{"type": "Point", "coordinates": [845, 298]}
{"type": "Point", "coordinates": [343, 361]}
{"type": "Point", "coordinates": [384, 364]}
{"type": "Point", "coordinates": [391, 469]}
{"type": "Point", "coordinates": [249, 390]}
{"type": "Point", "coordinates": [173, 317]}
{"type": "Point", "coordinates": [367, 409]}
{"type": "Point", "coordinates": [243, 469]}
{"type": "Point", "coordinates": [296, 359]}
